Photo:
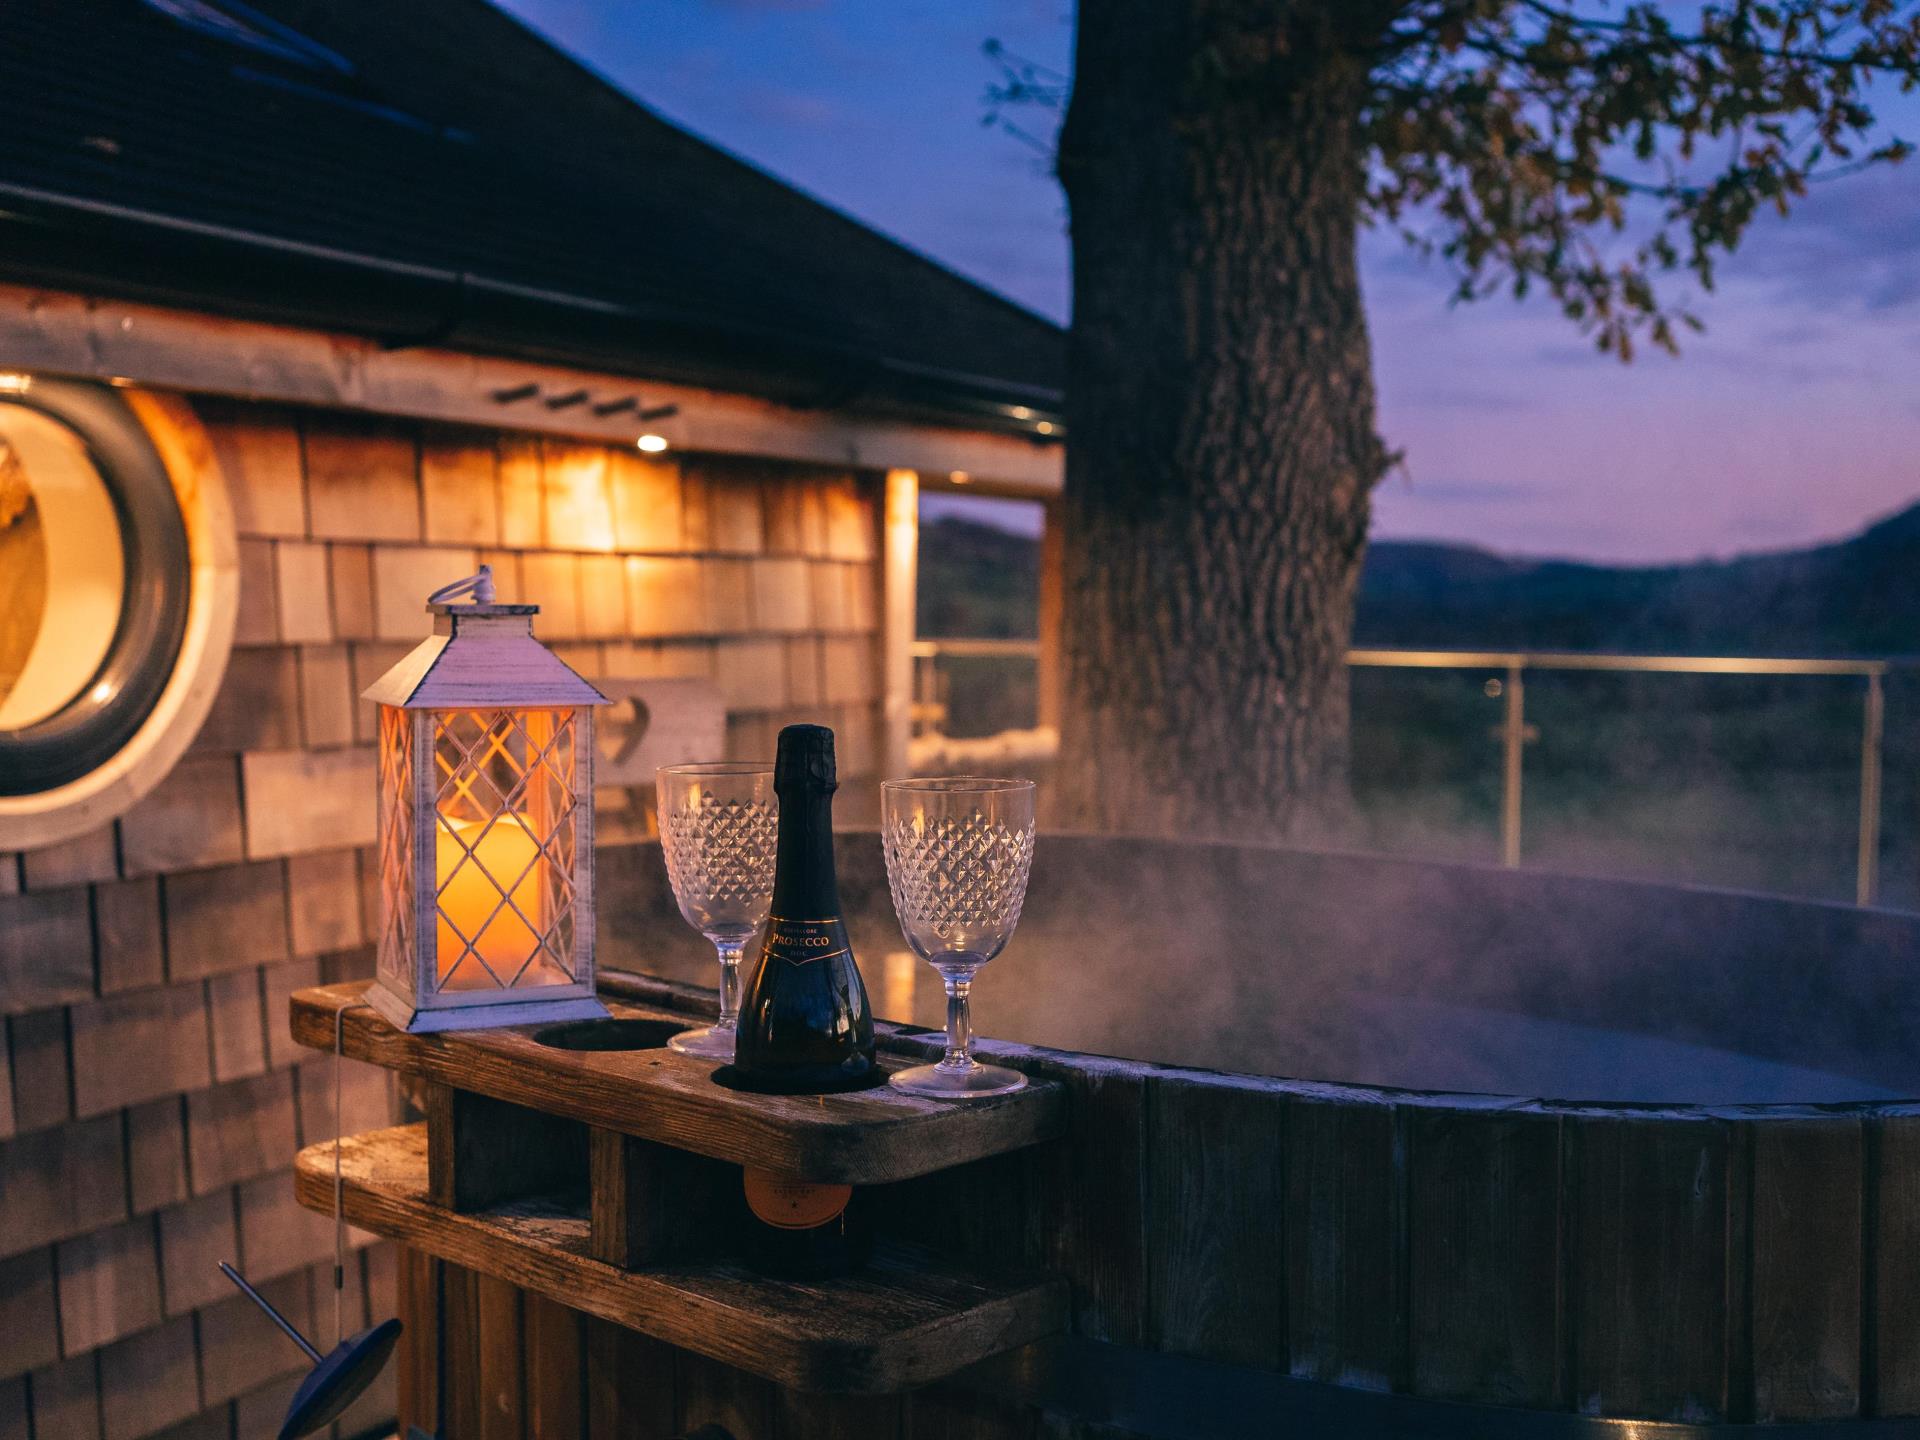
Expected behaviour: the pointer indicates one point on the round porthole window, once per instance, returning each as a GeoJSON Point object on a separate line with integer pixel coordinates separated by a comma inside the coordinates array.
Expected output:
{"type": "Point", "coordinates": [106, 554]}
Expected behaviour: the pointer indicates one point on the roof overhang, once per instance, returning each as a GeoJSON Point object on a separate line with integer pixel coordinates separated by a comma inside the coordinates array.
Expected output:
{"type": "Point", "coordinates": [173, 347]}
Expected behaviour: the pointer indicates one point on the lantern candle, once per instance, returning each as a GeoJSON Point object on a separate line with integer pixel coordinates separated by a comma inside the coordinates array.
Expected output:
{"type": "Point", "coordinates": [505, 936]}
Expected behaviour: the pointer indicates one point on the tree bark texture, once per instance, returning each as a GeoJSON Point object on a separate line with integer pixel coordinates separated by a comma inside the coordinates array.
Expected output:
{"type": "Point", "coordinates": [1221, 449]}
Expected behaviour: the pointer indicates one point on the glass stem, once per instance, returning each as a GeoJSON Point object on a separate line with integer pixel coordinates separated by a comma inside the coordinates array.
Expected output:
{"type": "Point", "coordinates": [959, 1025]}
{"type": "Point", "coordinates": [730, 952]}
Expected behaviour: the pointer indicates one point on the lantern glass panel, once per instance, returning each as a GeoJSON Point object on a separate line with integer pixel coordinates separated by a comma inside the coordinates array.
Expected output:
{"type": "Point", "coordinates": [505, 816]}
{"type": "Point", "coordinates": [396, 845]}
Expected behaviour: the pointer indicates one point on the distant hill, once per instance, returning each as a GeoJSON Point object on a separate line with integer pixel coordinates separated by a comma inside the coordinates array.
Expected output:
{"type": "Point", "coordinates": [1859, 596]}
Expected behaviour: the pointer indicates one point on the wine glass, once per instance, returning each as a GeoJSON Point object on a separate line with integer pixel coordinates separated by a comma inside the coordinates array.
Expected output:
{"type": "Point", "coordinates": [958, 852]}
{"type": "Point", "coordinates": [717, 830]}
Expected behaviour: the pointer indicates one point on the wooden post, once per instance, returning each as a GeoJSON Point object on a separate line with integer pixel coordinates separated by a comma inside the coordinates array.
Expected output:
{"type": "Point", "coordinates": [901, 560]}
{"type": "Point", "coordinates": [1052, 678]}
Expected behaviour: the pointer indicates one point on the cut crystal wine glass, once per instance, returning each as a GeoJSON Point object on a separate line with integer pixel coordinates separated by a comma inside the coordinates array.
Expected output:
{"type": "Point", "coordinates": [958, 852]}
{"type": "Point", "coordinates": [718, 823]}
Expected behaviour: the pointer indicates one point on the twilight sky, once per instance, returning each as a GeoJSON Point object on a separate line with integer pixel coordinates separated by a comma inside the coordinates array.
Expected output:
{"type": "Point", "coordinates": [1795, 418]}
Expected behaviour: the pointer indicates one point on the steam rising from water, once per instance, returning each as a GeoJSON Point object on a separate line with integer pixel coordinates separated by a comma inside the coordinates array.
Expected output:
{"type": "Point", "coordinates": [1369, 969]}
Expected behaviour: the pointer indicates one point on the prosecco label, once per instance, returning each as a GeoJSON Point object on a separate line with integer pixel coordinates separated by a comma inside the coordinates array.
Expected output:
{"type": "Point", "coordinates": [800, 942]}
{"type": "Point", "coordinates": [789, 1204]}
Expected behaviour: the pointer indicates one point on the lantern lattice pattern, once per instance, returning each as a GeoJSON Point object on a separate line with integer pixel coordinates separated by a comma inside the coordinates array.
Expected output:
{"type": "Point", "coordinates": [396, 846]}
{"type": "Point", "coordinates": [504, 848]}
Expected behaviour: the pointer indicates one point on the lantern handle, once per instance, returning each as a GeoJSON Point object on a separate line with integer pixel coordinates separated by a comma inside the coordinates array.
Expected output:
{"type": "Point", "coordinates": [479, 585]}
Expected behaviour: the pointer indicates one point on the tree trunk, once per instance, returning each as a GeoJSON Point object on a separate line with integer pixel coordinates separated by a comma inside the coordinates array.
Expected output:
{"type": "Point", "coordinates": [1221, 446]}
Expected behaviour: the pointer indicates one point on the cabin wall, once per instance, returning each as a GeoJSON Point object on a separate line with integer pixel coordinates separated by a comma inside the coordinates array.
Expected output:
{"type": "Point", "coordinates": [150, 1100]}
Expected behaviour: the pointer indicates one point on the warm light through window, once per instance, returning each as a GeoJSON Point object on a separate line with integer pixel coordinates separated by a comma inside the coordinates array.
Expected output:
{"type": "Point", "coordinates": [652, 444]}
{"type": "Point", "coordinates": [14, 382]}
{"type": "Point", "coordinates": [62, 567]}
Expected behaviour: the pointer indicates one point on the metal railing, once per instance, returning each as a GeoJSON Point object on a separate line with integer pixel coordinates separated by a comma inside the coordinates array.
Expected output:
{"type": "Point", "coordinates": [1514, 732]}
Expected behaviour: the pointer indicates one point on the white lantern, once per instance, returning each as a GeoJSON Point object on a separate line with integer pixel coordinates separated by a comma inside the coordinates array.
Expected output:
{"type": "Point", "coordinates": [486, 824]}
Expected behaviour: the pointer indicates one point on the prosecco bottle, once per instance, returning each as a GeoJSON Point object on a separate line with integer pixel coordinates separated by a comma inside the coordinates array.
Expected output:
{"type": "Point", "coordinates": [805, 1027]}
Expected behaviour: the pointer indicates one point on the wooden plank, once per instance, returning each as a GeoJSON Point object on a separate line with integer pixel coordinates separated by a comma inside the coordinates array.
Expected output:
{"type": "Point", "coordinates": [707, 1392]}
{"type": "Point", "coordinates": [836, 1417]}
{"type": "Point", "coordinates": [871, 1137]}
{"type": "Point", "coordinates": [629, 1383]}
{"type": "Point", "coordinates": [1651, 1265]}
{"type": "Point", "coordinates": [1090, 1195]}
{"type": "Point", "coordinates": [481, 1151]}
{"type": "Point", "coordinates": [1893, 1215]}
{"type": "Point", "coordinates": [651, 1204]}
{"type": "Point", "coordinates": [903, 1320]}
{"type": "Point", "coordinates": [1216, 1262]}
{"type": "Point", "coordinates": [460, 1390]}
{"type": "Point", "coordinates": [499, 1375]}
{"type": "Point", "coordinates": [948, 1412]}
{"type": "Point", "coordinates": [1807, 1280]}
{"type": "Point", "coordinates": [417, 1360]}
{"type": "Point", "coordinates": [554, 1367]}
{"type": "Point", "coordinates": [1485, 1275]}
{"type": "Point", "coordinates": [1345, 1221]}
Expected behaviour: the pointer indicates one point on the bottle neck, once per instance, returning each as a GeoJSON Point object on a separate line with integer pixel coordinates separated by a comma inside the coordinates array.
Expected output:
{"type": "Point", "coordinates": [804, 884]}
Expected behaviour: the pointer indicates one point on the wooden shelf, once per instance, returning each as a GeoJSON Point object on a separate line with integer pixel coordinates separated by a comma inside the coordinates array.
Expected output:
{"type": "Point", "coordinates": [904, 1320]}
{"type": "Point", "coordinates": [869, 1138]}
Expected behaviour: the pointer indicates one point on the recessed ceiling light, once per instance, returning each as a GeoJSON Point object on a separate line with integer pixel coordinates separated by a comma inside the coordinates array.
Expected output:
{"type": "Point", "coordinates": [652, 444]}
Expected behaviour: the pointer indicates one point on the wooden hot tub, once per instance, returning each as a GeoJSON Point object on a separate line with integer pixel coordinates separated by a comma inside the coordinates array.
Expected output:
{"type": "Point", "coordinates": [1383, 1148]}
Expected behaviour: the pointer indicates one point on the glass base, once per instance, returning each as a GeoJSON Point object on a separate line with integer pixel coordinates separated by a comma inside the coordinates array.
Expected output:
{"type": "Point", "coordinates": [958, 1082]}
{"type": "Point", "coordinates": [709, 1042]}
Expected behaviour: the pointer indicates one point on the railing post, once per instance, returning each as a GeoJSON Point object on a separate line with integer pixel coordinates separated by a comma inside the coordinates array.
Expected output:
{"type": "Point", "coordinates": [1513, 741]}
{"type": "Point", "coordinates": [900, 558]}
{"type": "Point", "coordinates": [1866, 888]}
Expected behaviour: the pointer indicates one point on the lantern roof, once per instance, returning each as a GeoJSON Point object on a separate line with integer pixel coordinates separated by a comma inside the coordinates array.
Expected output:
{"type": "Point", "coordinates": [482, 657]}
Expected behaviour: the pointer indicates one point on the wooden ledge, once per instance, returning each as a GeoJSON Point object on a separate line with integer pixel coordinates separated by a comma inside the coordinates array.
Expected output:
{"type": "Point", "coordinates": [904, 1320]}
{"type": "Point", "coordinates": [873, 1137]}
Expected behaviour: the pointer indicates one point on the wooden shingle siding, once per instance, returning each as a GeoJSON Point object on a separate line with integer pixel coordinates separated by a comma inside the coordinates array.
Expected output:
{"type": "Point", "coordinates": [92, 856]}
{"type": "Point", "coordinates": [126, 919]}
{"type": "Point", "coordinates": [29, 1314]}
{"type": "Point", "coordinates": [363, 479]}
{"type": "Point", "coordinates": [134, 1047]}
{"type": "Point", "coordinates": [46, 948]}
{"type": "Point", "coordinates": [225, 919]}
{"type": "Point", "coordinates": [150, 1098]}
{"type": "Point", "coordinates": [239, 1130]}
{"type": "Point", "coordinates": [55, 1184]}
{"type": "Point", "coordinates": [190, 820]}
{"type": "Point", "coordinates": [109, 1285]}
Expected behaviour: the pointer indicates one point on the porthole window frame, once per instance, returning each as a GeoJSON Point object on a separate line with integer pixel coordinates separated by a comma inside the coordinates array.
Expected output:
{"type": "Point", "coordinates": [97, 756]}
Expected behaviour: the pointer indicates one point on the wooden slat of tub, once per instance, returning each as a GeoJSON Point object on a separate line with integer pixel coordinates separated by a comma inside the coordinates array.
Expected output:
{"type": "Point", "coordinates": [629, 1382]}
{"type": "Point", "coordinates": [1091, 1196]}
{"type": "Point", "coordinates": [553, 1362]}
{"type": "Point", "coordinates": [1807, 1279]}
{"type": "Point", "coordinates": [947, 1412]}
{"type": "Point", "coordinates": [460, 1346]}
{"type": "Point", "coordinates": [1485, 1274]}
{"type": "Point", "coordinates": [499, 1378]}
{"type": "Point", "coordinates": [419, 1367]}
{"type": "Point", "coordinates": [1658, 1203]}
{"type": "Point", "coordinates": [712, 1393]}
{"type": "Point", "coordinates": [1345, 1222]}
{"type": "Point", "coordinates": [1216, 1257]}
{"type": "Point", "coordinates": [867, 1138]}
{"type": "Point", "coordinates": [837, 1417]}
{"type": "Point", "coordinates": [1895, 1220]}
